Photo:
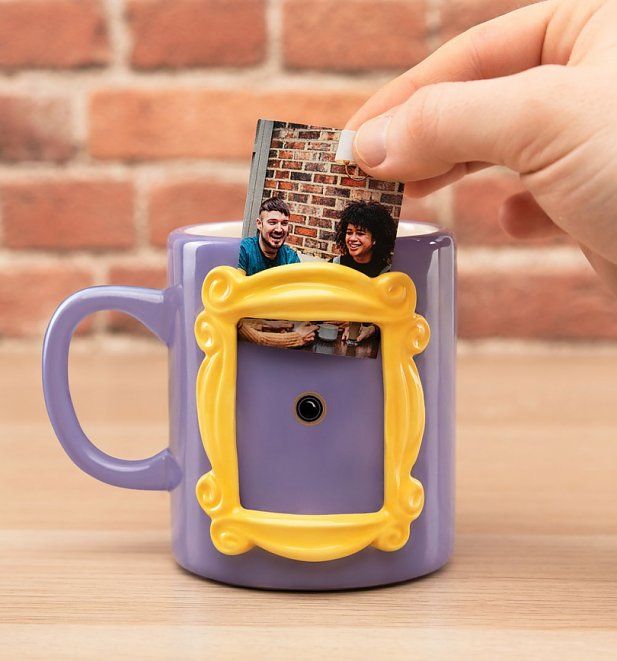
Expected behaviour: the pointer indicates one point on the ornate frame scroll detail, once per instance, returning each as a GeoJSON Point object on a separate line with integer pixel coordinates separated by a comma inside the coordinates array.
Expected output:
{"type": "Point", "coordinates": [306, 291]}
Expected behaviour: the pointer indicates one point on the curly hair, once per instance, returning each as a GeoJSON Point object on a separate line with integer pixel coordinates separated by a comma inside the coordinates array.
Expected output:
{"type": "Point", "coordinates": [374, 218]}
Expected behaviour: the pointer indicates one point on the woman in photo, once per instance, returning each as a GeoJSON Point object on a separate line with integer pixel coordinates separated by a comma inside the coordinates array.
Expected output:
{"type": "Point", "coordinates": [365, 237]}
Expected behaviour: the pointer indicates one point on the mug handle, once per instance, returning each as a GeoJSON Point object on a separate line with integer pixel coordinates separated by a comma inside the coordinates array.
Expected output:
{"type": "Point", "coordinates": [155, 309]}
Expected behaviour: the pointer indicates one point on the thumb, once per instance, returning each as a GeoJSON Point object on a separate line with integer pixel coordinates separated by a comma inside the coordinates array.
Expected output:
{"type": "Point", "coordinates": [512, 121]}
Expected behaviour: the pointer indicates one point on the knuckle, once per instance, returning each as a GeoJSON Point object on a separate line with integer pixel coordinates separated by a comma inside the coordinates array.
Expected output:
{"type": "Point", "coordinates": [543, 117]}
{"type": "Point", "coordinates": [478, 41]}
{"type": "Point", "coordinates": [424, 116]}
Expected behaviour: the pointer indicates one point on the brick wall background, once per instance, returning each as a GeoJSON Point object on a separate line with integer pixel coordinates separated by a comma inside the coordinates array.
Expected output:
{"type": "Point", "coordinates": [302, 171]}
{"type": "Point", "coordinates": [121, 119]}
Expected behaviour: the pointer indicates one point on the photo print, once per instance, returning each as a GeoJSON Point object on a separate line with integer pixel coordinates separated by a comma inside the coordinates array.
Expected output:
{"type": "Point", "coordinates": [304, 205]}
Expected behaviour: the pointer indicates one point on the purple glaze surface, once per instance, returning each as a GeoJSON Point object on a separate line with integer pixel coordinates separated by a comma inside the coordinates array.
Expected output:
{"type": "Point", "coordinates": [336, 466]}
{"type": "Point", "coordinates": [150, 306]}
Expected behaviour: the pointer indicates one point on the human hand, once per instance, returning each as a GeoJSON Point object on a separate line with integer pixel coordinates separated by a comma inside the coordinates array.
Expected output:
{"type": "Point", "coordinates": [306, 332]}
{"type": "Point", "coordinates": [275, 326]}
{"type": "Point", "coordinates": [366, 332]}
{"type": "Point", "coordinates": [342, 326]}
{"type": "Point", "coordinates": [532, 90]}
{"type": "Point", "coordinates": [363, 334]}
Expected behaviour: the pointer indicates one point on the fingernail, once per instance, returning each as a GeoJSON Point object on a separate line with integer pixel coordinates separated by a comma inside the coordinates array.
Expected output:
{"type": "Point", "coordinates": [370, 142]}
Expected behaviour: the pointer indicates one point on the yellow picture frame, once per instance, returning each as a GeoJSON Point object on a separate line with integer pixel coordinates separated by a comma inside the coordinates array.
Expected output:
{"type": "Point", "coordinates": [303, 292]}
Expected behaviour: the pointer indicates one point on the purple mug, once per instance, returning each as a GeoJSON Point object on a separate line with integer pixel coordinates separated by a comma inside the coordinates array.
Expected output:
{"type": "Point", "coordinates": [283, 465]}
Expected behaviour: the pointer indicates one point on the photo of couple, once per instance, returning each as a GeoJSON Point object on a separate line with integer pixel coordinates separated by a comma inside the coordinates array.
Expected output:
{"type": "Point", "coordinates": [303, 205]}
{"type": "Point", "coordinates": [364, 237]}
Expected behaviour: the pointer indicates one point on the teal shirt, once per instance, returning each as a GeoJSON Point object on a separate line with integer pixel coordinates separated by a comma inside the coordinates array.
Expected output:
{"type": "Point", "coordinates": [252, 260]}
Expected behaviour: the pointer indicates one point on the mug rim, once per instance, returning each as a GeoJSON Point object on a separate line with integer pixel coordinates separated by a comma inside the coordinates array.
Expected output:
{"type": "Point", "coordinates": [412, 229]}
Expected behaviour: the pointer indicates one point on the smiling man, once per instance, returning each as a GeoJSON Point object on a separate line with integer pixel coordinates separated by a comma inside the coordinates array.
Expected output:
{"type": "Point", "coordinates": [267, 248]}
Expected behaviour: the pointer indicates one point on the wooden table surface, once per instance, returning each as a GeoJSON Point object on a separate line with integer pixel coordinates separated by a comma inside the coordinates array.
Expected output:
{"type": "Point", "coordinates": [86, 570]}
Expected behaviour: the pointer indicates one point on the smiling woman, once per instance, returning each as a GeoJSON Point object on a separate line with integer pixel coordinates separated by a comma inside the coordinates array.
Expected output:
{"type": "Point", "coordinates": [365, 237]}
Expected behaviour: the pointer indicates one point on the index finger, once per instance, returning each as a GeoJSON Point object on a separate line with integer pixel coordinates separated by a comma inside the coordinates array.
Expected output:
{"type": "Point", "coordinates": [503, 46]}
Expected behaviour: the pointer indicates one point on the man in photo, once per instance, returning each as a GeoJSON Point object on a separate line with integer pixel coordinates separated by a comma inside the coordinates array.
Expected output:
{"type": "Point", "coordinates": [267, 248]}
{"type": "Point", "coordinates": [263, 251]}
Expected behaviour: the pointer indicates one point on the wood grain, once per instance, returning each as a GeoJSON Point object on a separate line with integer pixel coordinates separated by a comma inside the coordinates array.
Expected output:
{"type": "Point", "coordinates": [86, 569]}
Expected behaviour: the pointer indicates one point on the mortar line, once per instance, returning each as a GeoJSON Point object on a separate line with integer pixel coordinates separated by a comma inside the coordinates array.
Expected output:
{"type": "Point", "coordinates": [119, 35]}
{"type": "Point", "coordinates": [141, 212]}
{"type": "Point", "coordinates": [164, 170]}
{"type": "Point", "coordinates": [433, 24]}
{"type": "Point", "coordinates": [256, 79]}
{"type": "Point", "coordinates": [274, 32]}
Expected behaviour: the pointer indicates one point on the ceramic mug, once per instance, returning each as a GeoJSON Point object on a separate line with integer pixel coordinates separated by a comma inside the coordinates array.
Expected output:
{"type": "Point", "coordinates": [265, 463]}
{"type": "Point", "coordinates": [328, 332]}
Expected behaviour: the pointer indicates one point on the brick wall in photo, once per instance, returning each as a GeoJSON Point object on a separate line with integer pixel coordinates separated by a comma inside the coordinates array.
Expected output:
{"type": "Point", "coordinates": [302, 171]}
{"type": "Point", "coordinates": [122, 119]}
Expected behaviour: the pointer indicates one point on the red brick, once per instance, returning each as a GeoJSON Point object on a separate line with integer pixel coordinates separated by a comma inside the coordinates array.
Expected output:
{"type": "Point", "coordinates": [572, 305]}
{"type": "Point", "coordinates": [323, 201]}
{"type": "Point", "coordinates": [306, 231]}
{"type": "Point", "coordinates": [35, 129]}
{"type": "Point", "coordinates": [353, 183]}
{"type": "Point", "coordinates": [393, 199]}
{"type": "Point", "coordinates": [29, 293]}
{"type": "Point", "coordinates": [52, 34]}
{"type": "Point", "coordinates": [67, 215]}
{"type": "Point", "coordinates": [292, 165]}
{"type": "Point", "coordinates": [353, 35]}
{"type": "Point", "coordinates": [295, 240]}
{"type": "Point", "coordinates": [459, 15]}
{"type": "Point", "coordinates": [202, 123]}
{"type": "Point", "coordinates": [325, 222]}
{"type": "Point", "coordinates": [333, 214]}
{"type": "Point", "coordinates": [316, 245]}
{"type": "Point", "coordinates": [337, 192]}
{"type": "Point", "coordinates": [476, 204]}
{"type": "Point", "coordinates": [317, 146]}
{"type": "Point", "coordinates": [324, 178]}
{"type": "Point", "coordinates": [190, 33]}
{"type": "Point", "coordinates": [388, 186]}
{"type": "Point", "coordinates": [188, 202]}
{"type": "Point", "coordinates": [309, 135]}
{"type": "Point", "coordinates": [311, 188]}
{"type": "Point", "coordinates": [153, 277]}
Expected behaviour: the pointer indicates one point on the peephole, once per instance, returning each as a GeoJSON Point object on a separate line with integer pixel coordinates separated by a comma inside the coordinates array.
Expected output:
{"type": "Point", "coordinates": [310, 408]}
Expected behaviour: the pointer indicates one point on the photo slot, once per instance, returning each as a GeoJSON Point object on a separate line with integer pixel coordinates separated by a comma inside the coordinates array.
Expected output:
{"type": "Point", "coordinates": [304, 205]}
